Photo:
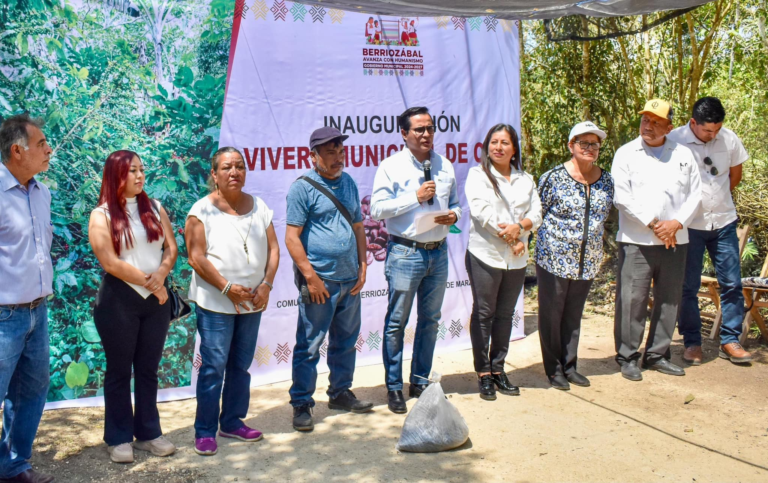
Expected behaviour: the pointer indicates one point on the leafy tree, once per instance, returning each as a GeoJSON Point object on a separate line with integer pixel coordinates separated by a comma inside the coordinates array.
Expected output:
{"type": "Point", "coordinates": [96, 76]}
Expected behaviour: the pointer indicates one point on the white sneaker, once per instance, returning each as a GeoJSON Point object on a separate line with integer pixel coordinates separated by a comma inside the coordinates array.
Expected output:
{"type": "Point", "coordinates": [158, 446]}
{"type": "Point", "coordinates": [121, 453]}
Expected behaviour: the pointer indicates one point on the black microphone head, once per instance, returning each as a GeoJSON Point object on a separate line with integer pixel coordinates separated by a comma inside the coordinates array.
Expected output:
{"type": "Point", "coordinates": [427, 164]}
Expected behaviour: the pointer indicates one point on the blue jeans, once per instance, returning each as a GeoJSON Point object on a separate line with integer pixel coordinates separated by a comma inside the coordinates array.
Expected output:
{"type": "Point", "coordinates": [24, 374]}
{"type": "Point", "coordinates": [227, 347]}
{"type": "Point", "coordinates": [412, 273]}
{"type": "Point", "coordinates": [339, 317]}
{"type": "Point", "coordinates": [723, 248]}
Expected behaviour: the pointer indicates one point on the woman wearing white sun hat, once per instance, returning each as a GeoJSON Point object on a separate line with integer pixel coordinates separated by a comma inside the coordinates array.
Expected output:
{"type": "Point", "coordinates": [576, 199]}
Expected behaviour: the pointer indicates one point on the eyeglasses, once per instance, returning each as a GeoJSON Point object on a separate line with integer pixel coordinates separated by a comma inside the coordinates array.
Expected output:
{"type": "Point", "coordinates": [424, 129]}
{"type": "Point", "coordinates": [585, 145]}
{"type": "Point", "coordinates": [708, 162]}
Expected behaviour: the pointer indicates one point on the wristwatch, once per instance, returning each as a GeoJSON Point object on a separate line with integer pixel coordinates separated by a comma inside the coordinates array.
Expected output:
{"type": "Point", "coordinates": [268, 285]}
{"type": "Point", "coordinates": [522, 229]}
{"type": "Point", "coordinates": [652, 224]}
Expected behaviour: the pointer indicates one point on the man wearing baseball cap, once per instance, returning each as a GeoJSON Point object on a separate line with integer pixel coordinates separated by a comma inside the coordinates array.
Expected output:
{"type": "Point", "coordinates": [325, 237]}
{"type": "Point", "coordinates": [719, 154]}
{"type": "Point", "coordinates": [657, 192]}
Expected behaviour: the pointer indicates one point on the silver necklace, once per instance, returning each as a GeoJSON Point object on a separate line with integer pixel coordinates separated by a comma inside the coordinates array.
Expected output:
{"type": "Point", "coordinates": [244, 238]}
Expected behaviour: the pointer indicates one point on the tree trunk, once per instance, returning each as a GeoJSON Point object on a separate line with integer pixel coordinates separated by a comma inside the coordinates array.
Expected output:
{"type": "Point", "coordinates": [636, 101]}
{"type": "Point", "coordinates": [585, 111]}
{"type": "Point", "coordinates": [647, 60]}
{"type": "Point", "coordinates": [526, 132]}
{"type": "Point", "coordinates": [722, 7]}
{"type": "Point", "coordinates": [736, 23]}
{"type": "Point", "coordinates": [680, 78]}
{"type": "Point", "coordinates": [761, 22]}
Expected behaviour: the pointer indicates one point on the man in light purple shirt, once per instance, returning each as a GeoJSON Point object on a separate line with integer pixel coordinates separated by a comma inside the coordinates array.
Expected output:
{"type": "Point", "coordinates": [26, 271]}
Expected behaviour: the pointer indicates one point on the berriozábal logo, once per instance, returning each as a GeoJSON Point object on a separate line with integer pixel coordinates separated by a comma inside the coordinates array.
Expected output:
{"type": "Point", "coordinates": [391, 48]}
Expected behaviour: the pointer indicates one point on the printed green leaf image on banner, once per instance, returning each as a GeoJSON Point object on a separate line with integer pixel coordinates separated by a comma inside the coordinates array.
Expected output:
{"type": "Point", "coordinates": [145, 76]}
{"type": "Point", "coordinates": [77, 374]}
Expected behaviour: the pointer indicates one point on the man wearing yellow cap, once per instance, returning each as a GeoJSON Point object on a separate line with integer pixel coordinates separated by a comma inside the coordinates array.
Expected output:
{"type": "Point", "coordinates": [657, 192]}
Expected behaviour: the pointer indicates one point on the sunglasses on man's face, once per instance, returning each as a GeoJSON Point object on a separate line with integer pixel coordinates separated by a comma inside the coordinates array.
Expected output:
{"type": "Point", "coordinates": [708, 162]}
{"type": "Point", "coordinates": [423, 129]}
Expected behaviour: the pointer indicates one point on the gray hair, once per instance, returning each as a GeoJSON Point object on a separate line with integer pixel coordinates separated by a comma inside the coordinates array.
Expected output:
{"type": "Point", "coordinates": [14, 131]}
{"type": "Point", "coordinates": [222, 151]}
{"type": "Point", "coordinates": [215, 163]}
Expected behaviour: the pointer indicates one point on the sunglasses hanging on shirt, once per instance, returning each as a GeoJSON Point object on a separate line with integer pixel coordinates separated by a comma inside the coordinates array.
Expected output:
{"type": "Point", "coordinates": [708, 162]}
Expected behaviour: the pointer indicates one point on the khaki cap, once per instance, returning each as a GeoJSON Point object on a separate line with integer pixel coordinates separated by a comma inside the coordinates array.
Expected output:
{"type": "Point", "coordinates": [658, 107]}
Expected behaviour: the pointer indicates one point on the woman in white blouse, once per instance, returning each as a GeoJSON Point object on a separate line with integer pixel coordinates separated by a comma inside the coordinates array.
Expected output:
{"type": "Point", "coordinates": [132, 238]}
{"type": "Point", "coordinates": [234, 253]}
{"type": "Point", "coordinates": [505, 209]}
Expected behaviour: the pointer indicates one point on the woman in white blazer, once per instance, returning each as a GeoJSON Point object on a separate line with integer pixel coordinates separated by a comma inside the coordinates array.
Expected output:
{"type": "Point", "coordinates": [505, 209]}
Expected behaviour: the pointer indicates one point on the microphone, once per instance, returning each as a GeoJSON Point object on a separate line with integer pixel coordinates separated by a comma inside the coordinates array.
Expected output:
{"type": "Point", "coordinates": [428, 177]}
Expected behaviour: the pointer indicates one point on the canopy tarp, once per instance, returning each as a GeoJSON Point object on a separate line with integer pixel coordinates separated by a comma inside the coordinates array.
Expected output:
{"type": "Point", "coordinates": [507, 9]}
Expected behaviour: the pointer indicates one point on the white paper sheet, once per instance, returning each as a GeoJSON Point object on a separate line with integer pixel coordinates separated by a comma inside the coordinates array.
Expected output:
{"type": "Point", "coordinates": [424, 222]}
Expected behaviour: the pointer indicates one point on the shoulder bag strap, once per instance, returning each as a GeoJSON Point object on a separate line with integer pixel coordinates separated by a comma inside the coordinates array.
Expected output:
{"type": "Point", "coordinates": [342, 209]}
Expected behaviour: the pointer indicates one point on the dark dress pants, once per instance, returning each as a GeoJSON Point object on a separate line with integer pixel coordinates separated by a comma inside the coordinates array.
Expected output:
{"type": "Point", "coordinates": [132, 331]}
{"type": "Point", "coordinates": [561, 305]}
{"type": "Point", "coordinates": [494, 296]}
{"type": "Point", "coordinates": [638, 266]}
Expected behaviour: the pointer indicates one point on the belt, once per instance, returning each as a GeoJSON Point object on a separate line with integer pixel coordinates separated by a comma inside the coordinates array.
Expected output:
{"type": "Point", "coordinates": [410, 243]}
{"type": "Point", "coordinates": [29, 305]}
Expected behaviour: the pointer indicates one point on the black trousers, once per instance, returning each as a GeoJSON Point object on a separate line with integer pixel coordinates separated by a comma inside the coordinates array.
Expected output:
{"type": "Point", "coordinates": [494, 296]}
{"type": "Point", "coordinates": [561, 305]}
{"type": "Point", "coordinates": [638, 266]}
{"type": "Point", "coordinates": [132, 330]}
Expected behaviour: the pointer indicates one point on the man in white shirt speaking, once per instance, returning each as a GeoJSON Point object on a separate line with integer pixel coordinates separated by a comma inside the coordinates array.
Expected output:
{"type": "Point", "coordinates": [417, 261]}
{"type": "Point", "coordinates": [657, 192]}
{"type": "Point", "coordinates": [719, 155]}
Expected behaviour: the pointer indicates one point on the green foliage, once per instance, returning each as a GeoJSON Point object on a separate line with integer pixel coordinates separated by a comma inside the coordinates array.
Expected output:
{"type": "Point", "coordinates": [608, 81]}
{"type": "Point", "coordinates": [90, 73]}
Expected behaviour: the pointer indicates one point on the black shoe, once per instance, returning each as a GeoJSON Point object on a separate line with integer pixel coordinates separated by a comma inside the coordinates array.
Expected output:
{"type": "Point", "coordinates": [664, 366]}
{"type": "Point", "coordinates": [302, 418]}
{"type": "Point", "coordinates": [559, 382]}
{"type": "Point", "coordinates": [415, 390]}
{"type": "Point", "coordinates": [28, 476]}
{"type": "Point", "coordinates": [396, 402]}
{"type": "Point", "coordinates": [577, 379]}
{"type": "Point", "coordinates": [629, 370]}
{"type": "Point", "coordinates": [504, 386]}
{"type": "Point", "coordinates": [486, 388]}
{"type": "Point", "coordinates": [346, 401]}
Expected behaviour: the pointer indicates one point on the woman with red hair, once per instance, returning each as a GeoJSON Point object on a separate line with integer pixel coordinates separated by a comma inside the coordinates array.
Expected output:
{"type": "Point", "coordinates": [132, 238]}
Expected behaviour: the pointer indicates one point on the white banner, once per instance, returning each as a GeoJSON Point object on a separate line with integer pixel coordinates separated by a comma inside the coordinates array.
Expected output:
{"type": "Point", "coordinates": [296, 68]}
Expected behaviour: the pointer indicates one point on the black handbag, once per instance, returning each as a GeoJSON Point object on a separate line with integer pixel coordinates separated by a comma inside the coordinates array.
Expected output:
{"type": "Point", "coordinates": [179, 307]}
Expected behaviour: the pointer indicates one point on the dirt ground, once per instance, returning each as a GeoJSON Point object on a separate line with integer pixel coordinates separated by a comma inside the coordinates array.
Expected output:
{"type": "Point", "coordinates": [615, 430]}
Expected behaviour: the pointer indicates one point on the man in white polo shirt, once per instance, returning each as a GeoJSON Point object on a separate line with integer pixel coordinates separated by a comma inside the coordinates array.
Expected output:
{"type": "Point", "coordinates": [658, 192]}
{"type": "Point", "coordinates": [719, 154]}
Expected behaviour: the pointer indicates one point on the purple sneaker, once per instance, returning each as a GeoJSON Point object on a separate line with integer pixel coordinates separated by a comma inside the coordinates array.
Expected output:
{"type": "Point", "coordinates": [206, 446]}
{"type": "Point", "coordinates": [243, 434]}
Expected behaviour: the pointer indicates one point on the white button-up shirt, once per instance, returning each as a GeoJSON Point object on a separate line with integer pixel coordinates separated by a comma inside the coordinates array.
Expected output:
{"type": "Point", "coordinates": [726, 151]}
{"type": "Point", "coordinates": [646, 187]}
{"type": "Point", "coordinates": [519, 200]}
{"type": "Point", "coordinates": [394, 196]}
